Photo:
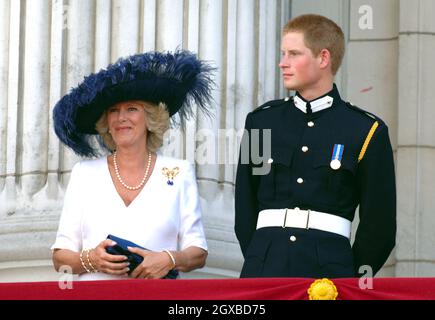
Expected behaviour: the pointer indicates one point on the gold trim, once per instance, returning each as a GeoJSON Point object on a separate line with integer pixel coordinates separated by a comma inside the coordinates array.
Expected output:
{"type": "Point", "coordinates": [170, 174]}
{"type": "Point", "coordinates": [367, 141]}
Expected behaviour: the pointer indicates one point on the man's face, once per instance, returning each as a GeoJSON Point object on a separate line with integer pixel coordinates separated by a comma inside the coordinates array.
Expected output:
{"type": "Point", "coordinates": [300, 68]}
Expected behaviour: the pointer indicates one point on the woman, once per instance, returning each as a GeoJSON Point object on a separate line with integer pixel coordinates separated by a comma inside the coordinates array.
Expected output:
{"type": "Point", "coordinates": [134, 193]}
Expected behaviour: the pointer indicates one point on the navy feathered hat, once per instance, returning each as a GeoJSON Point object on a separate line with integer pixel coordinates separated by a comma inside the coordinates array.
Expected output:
{"type": "Point", "coordinates": [178, 80]}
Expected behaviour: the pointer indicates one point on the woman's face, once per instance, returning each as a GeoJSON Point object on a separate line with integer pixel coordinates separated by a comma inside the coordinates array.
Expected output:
{"type": "Point", "coordinates": [127, 123]}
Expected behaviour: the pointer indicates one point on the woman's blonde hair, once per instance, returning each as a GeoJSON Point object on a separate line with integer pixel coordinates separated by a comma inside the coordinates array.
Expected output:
{"type": "Point", "coordinates": [157, 122]}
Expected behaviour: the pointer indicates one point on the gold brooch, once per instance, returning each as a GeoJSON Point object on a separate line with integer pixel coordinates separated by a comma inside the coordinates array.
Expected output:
{"type": "Point", "coordinates": [170, 174]}
{"type": "Point", "coordinates": [322, 289]}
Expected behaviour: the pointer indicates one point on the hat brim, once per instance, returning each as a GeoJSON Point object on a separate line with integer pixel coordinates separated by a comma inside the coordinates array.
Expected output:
{"type": "Point", "coordinates": [179, 80]}
{"type": "Point", "coordinates": [162, 90]}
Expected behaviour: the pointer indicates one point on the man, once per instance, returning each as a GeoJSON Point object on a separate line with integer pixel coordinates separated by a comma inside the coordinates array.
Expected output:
{"type": "Point", "coordinates": [327, 157]}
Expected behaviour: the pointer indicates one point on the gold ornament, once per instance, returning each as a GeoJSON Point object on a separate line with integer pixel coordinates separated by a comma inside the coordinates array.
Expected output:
{"type": "Point", "coordinates": [170, 174]}
{"type": "Point", "coordinates": [322, 289]}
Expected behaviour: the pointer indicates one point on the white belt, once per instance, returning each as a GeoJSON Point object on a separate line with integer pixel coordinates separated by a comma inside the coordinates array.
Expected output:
{"type": "Point", "coordinates": [306, 219]}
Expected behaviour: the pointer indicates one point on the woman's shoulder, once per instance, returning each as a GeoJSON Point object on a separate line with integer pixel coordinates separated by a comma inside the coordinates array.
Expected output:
{"type": "Point", "coordinates": [90, 165]}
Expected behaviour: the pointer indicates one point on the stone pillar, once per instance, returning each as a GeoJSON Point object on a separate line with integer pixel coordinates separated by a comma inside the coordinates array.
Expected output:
{"type": "Point", "coordinates": [169, 24]}
{"type": "Point", "coordinates": [149, 24]}
{"type": "Point", "coordinates": [246, 77]}
{"type": "Point", "coordinates": [79, 61]}
{"type": "Point", "coordinates": [125, 28]}
{"type": "Point", "coordinates": [34, 111]}
{"type": "Point", "coordinates": [372, 60]}
{"type": "Point", "coordinates": [210, 169]}
{"type": "Point", "coordinates": [29, 195]}
{"type": "Point", "coordinates": [103, 34]}
{"type": "Point", "coordinates": [10, 83]}
{"type": "Point", "coordinates": [269, 34]}
{"type": "Point", "coordinates": [49, 198]}
{"type": "Point", "coordinates": [416, 140]}
{"type": "Point", "coordinates": [4, 68]}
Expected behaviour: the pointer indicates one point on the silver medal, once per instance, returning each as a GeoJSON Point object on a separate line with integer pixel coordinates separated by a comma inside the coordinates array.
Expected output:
{"type": "Point", "coordinates": [335, 164]}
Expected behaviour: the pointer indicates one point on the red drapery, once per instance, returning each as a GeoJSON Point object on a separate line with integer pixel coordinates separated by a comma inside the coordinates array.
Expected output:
{"type": "Point", "coordinates": [216, 289]}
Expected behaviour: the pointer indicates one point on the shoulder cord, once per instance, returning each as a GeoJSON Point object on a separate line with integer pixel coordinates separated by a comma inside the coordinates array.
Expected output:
{"type": "Point", "coordinates": [367, 141]}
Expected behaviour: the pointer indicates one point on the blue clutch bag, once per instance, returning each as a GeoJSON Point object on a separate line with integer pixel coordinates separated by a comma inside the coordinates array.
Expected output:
{"type": "Point", "coordinates": [120, 248]}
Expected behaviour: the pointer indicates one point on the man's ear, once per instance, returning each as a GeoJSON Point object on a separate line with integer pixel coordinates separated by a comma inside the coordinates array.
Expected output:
{"type": "Point", "coordinates": [325, 58]}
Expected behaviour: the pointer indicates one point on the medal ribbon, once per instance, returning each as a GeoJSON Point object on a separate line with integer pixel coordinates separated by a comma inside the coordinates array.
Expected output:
{"type": "Point", "coordinates": [338, 152]}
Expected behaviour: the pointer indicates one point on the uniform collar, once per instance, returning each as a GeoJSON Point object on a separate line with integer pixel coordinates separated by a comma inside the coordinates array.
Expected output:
{"type": "Point", "coordinates": [321, 103]}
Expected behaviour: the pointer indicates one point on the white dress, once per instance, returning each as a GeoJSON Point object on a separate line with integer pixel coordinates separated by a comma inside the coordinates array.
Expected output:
{"type": "Point", "coordinates": [162, 216]}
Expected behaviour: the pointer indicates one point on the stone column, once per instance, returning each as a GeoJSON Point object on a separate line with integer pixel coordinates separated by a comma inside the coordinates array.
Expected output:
{"type": "Point", "coordinates": [34, 112]}
{"type": "Point", "coordinates": [4, 68]}
{"type": "Point", "coordinates": [31, 191]}
{"type": "Point", "coordinates": [416, 140]}
{"type": "Point", "coordinates": [79, 61]}
{"type": "Point", "coordinates": [103, 34]}
{"type": "Point", "coordinates": [210, 168]}
{"type": "Point", "coordinates": [149, 11]}
{"type": "Point", "coordinates": [125, 28]}
{"type": "Point", "coordinates": [246, 75]}
{"type": "Point", "coordinates": [269, 39]}
{"type": "Point", "coordinates": [169, 24]}
{"type": "Point", "coordinates": [372, 61]}
{"type": "Point", "coordinates": [11, 77]}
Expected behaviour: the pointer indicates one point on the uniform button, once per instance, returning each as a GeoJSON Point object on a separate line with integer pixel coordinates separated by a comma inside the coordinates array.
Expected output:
{"type": "Point", "coordinates": [311, 124]}
{"type": "Point", "coordinates": [270, 161]}
{"type": "Point", "coordinates": [300, 180]}
{"type": "Point", "coordinates": [304, 148]}
{"type": "Point", "coordinates": [286, 99]}
{"type": "Point", "coordinates": [292, 238]}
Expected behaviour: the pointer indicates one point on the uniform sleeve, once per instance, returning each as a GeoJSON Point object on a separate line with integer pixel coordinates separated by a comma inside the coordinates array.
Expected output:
{"type": "Point", "coordinates": [376, 233]}
{"type": "Point", "coordinates": [69, 231]}
{"type": "Point", "coordinates": [191, 228]}
{"type": "Point", "coordinates": [246, 206]}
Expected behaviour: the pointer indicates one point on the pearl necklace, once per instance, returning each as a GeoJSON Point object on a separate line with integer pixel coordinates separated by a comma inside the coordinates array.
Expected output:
{"type": "Point", "coordinates": [122, 181]}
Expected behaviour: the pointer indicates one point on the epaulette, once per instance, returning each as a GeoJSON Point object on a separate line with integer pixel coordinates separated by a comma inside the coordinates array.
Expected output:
{"type": "Point", "coordinates": [369, 114]}
{"type": "Point", "coordinates": [272, 103]}
{"type": "Point", "coordinates": [371, 132]}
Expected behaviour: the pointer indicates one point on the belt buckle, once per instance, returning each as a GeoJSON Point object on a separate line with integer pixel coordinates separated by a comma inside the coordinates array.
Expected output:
{"type": "Point", "coordinates": [285, 218]}
{"type": "Point", "coordinates": [306, 216]}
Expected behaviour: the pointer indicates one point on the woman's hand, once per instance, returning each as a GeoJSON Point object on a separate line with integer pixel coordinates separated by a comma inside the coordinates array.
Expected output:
{"type": "Point", "coordinates": [155, 265]}
{"type": "Point", "coordinates": [108, 263]}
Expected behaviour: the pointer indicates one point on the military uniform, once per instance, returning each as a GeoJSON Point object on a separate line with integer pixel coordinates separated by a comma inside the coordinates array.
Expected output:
{"type": "Point", "coordinates": [327, 157]}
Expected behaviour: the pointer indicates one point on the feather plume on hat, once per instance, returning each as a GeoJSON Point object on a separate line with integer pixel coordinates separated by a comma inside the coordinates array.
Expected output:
{"type": "Point", "coordinates": [180, 80]}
